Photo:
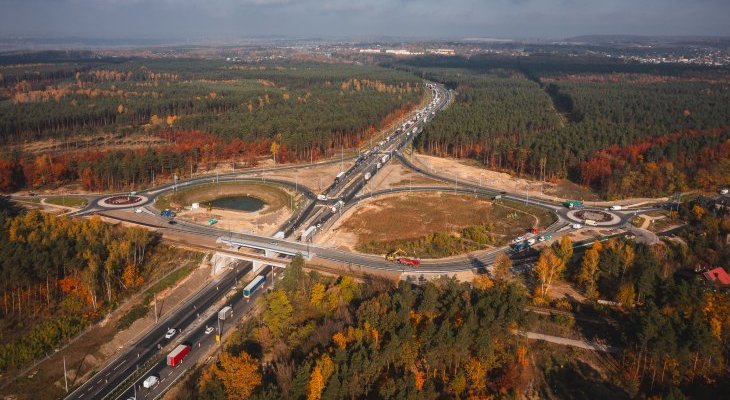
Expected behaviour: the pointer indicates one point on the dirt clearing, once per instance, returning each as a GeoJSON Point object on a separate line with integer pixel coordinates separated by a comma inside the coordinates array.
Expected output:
{"type": "Point", "coordinates": [412, 216]}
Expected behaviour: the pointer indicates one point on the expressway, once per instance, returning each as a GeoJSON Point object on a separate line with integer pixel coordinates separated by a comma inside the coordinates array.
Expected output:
{"type": "Point", "coordinates": [200, 342]}
{"type": "Point", "coordinates": [347, 191]}
{"type": "Point", "coordinates": [148, 346]}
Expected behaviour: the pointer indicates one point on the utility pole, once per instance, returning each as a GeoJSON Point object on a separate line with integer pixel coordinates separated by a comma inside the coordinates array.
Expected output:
{"type": "Point", "coordinates": [155, 309]}
{"type": "Point", "coordinates": [65, 378]}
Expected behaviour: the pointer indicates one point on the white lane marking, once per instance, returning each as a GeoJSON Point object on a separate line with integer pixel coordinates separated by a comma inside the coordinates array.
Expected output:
{"type": "Point", "coordinates": [119, 365]}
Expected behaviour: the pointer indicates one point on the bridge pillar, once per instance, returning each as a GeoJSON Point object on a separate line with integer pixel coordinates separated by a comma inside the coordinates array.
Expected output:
{"type": "Point", "coordinates": [257, 265]}
{"type": "Point", "coordinates": [270, 253]}
{"type": "Point", "coordinates": [219, 262]}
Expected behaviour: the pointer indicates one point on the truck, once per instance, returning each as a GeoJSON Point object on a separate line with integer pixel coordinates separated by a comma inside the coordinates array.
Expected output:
{"type": "Point", "coordinates": [253, 285]}
{"type": "Point", "coordinates": [573, 204]}
{"type": "Point", "coordinates": [308, 233]}
{"type": "Point", "coordinates": [167, 213]}
{"type": "Point", "coordinates": [413, 262]}
{"type": "Point", "coordinates": [367, 176]}
{"type": "Point", "coordinates": [337, 206]}
{"type": "Point", "coordinates": [590, 222]}
{"type": "Point", "coordinates": [176, 356]}
{"type": "Point", "coordinates": [150, 381]}
{"type": "Point", "coordinates": [340, 176]}
{"type": "Point", "coordinates": [322, 197]}
{"type": "Point", "coordinates": [384, 159]}
{"type": "Point", "coordinates": [519, 246]}
{"type": "Point", "coordinates": [378, 165]}
{"type": "Point", "coordinates": [616, 208]}
{"type": "Point", "coordinates": [223, 313]}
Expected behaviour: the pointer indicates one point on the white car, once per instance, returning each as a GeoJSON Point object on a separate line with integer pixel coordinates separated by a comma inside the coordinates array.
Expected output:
{"type": "Point", "coordinates": [170, 333]}
{"type": "Point", "coordinates": [209, 330]}
{"type": "Point", "coordinates": [724, 191]}
{"type": "Point", "coordinates": [138, 210]}
{"type": "Point", "coordinates": [577, 226]}
{"type": "Point", "coordinates": [531, 241]}
{"type": "Point", "coordinates": [150, 381]}
{"type": "Point", "coordinates": [519, 238]}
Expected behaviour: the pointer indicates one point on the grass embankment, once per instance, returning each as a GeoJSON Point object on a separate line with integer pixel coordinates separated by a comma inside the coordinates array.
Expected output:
{"type": "Point", "coordinates": [167, 281]}
{"type": "Point", "coordinates": [275, 197]}
{"type": "Point", "coordinates": [440, 225]}
{"type": "Point", "coordinates": [75, 202]}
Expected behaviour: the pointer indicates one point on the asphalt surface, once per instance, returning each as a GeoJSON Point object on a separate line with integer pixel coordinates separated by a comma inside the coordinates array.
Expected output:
{"type": "Point", "coordinates": [200, 343]}
{"type": "Point", "coordinates": [151, 343]}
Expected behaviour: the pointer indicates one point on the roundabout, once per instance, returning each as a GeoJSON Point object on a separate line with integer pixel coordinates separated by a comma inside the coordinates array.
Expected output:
{"type": "Point", "coordinates": [122, 201]}
{"type": "Point", "coordinates": [602, 218]}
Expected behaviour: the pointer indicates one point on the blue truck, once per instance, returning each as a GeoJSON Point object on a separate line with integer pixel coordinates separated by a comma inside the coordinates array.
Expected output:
{"type": "Point", "coordinates": [167, 213]}
{"type": "Point", "coordinates": [519, 246]}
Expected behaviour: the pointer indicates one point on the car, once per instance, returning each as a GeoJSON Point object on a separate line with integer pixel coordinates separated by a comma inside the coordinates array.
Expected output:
{"type": "Point", "coordinates": [721, 191]}
{"type": "Point", "coordinates": [576, 226]}
{"type": "Point", "coordinates": [541, 238]}
{"type": "Point", "coordinates": [137, 210]}
{"type": "Point", "coordinates": [170, 333]}
{"type": "Point", "coordinates": [209, 330]}
{"type": "Point", "coordinates": [132, 398]}
{"type": "Point", "coordinates": [519, 238]}
{"type": "Point", "coordinates": [150, 381]}
{"type": "Point", "coordinates": [172, 222]}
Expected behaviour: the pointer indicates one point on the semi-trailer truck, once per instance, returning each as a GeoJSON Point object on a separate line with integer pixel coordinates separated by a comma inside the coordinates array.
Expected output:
{"type": "Point", "coordinates": [176, 356]}
{"type": "Point", "coordinates": [413, 262]}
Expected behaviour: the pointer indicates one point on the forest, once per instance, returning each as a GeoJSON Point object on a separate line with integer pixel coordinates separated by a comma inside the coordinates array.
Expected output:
{"type": "Point", "coordinates": [320, 337]}
{"type": "Point", "coordinates": [61, 274]}
{"type": "Point", "coordinates": [551, 118]}
{"type": "Point", "coordinates": [341, 338]}
{"type": "Point", "coordinates": [179, 114]}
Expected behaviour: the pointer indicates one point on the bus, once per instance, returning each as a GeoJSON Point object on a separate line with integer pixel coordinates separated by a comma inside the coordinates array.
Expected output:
{"type": "Point", "coordinates": [253, 285]}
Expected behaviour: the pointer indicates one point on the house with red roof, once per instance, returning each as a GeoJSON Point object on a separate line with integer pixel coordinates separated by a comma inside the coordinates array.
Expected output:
{"type": "Point", "coordinates": [717, 275]}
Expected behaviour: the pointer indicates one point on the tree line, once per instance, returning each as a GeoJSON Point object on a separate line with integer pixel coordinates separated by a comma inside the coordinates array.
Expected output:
{"type": "Point", "coordinates": [542, 121]}
{"type": "Point", "coordinates": [59, 274]}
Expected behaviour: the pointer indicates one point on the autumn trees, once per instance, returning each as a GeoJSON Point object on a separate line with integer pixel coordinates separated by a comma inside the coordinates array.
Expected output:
{"type": "Point", "coordinates": [191, 114]}
{"type": "Point", "coordinates": [649, 131]}
{"type": "Point", "coordinates": [348, 339]}
{"type": "Point", "coordinates": [63, 273]}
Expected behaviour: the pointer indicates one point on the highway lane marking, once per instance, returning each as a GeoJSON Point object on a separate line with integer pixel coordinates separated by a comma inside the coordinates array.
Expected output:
{"type": "Point", "coordinates": [119, 365]}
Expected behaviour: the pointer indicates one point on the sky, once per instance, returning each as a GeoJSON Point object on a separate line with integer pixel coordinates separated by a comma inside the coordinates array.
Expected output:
{"type": "Point", "coordinates": [332, 19]}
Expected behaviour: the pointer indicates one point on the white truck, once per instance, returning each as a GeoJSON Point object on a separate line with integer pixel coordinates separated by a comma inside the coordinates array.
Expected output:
{"type": "Point", "coordinates": [590, 222]}
{"type": "Point", "coordinates": [308, 233]}
{"type": "Point", "coordinates": [367, 176]}
{"type": "Point", "coordinates": [322, 197]}
{"type": "Point", "coordinates": [616, 208]}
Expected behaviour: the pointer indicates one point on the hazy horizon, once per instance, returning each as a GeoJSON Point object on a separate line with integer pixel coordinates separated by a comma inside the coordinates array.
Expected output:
{"type": "Point", "coordinates": [183, 20]}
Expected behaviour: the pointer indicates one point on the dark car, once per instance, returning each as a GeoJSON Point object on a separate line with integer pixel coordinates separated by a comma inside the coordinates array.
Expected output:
{"type": "Point", "coordinates": [172, 222]}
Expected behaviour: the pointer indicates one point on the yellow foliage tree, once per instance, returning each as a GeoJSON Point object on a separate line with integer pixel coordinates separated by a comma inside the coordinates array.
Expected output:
{"type": "Point", "coordinates": [340, 340]}
{"type": "Point", "coordinates": [120, 109]}
{"type": "Point", "coordinates": [154, 119]}
{"type": "Point", "coordinates": [482, 282]}
{"type": "Point", "coordinates": [239, 374]}
{"type": "Point", "coordinates": [316, 298]}
{"type": "Point", "coordinates": [548, 268]}
{"type": "Point", "coordinates": [501, 268]}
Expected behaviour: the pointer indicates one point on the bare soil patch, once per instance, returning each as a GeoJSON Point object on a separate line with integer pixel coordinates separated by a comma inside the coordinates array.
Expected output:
{"type": "Point", "coordinates": [278, 201]}
{"type": "Point", "coordinates": [413, 216]}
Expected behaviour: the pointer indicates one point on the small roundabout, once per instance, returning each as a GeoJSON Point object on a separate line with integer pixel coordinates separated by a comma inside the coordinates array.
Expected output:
{"type": "Point", "coordinates": [122, 201]}
{"type": "Point", "coordinates": [601, 217]}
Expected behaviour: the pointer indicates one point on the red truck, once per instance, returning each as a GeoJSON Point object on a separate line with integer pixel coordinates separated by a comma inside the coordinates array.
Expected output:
{"type": "Point", "coordinates": [177, 355]}
{"type": "Point", "coordinates": [413, 262]}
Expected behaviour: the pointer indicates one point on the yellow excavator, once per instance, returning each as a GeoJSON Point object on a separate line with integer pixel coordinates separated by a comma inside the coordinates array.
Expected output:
{"type": "Point", "coordinates": [393, 255]}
